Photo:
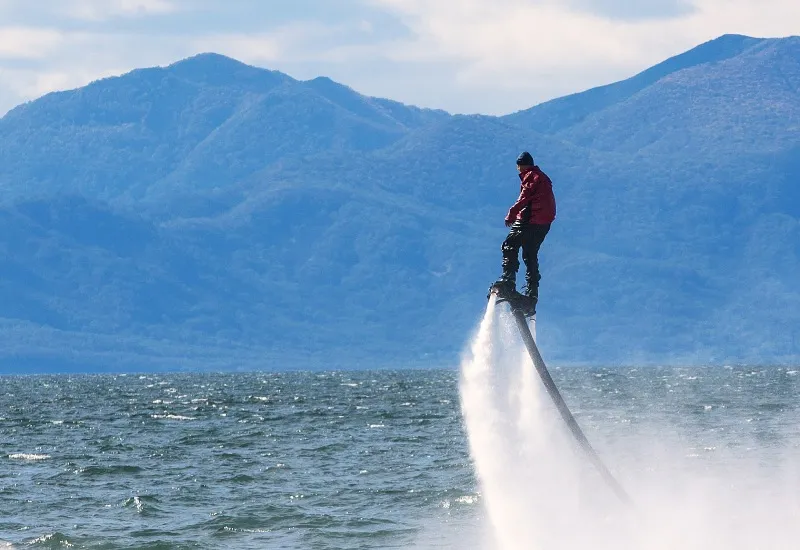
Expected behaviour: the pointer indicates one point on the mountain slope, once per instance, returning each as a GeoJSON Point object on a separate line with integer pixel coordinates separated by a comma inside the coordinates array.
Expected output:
{"type": "Point", "coordinates": [744, 103]}
{"type": "Point", "coordinates": [562, 113]}
{"type": "Point", "coordinates": [208, 120]}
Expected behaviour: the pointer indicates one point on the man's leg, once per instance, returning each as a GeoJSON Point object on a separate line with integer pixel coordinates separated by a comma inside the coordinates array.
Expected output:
{"type": "Point", "coordinates": [533, 238]}
{"type": "Point", "coordinates": [510, 250]}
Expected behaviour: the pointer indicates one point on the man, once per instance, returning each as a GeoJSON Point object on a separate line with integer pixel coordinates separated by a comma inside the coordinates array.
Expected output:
{"type": "Point", "coordinates": [529, 220]}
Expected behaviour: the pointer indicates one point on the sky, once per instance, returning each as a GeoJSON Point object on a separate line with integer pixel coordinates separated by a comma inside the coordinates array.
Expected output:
{"type": "Point", "coordinates": [464, 56]}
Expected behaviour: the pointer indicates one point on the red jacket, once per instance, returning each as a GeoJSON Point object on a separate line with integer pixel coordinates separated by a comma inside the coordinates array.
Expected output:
{"type": "Point", "coordinates": [536, 203]}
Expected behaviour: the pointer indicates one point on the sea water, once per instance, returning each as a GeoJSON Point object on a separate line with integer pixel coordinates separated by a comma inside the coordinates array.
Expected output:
{"type": "Point", "coordinates": [474, 457]}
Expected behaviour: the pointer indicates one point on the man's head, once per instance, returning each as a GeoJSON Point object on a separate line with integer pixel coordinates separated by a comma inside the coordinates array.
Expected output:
{"type": "Point", "coordinates": [524, 160]}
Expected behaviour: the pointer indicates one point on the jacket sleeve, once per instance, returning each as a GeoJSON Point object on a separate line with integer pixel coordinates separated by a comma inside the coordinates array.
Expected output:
{"type": "Point", "coordinates": [525, 196]}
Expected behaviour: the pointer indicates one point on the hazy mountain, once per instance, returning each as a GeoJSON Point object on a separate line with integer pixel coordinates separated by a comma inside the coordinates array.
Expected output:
{"type": "Point", "coordinates": [215, 215]}
{"type": "Point", "coordinates": [204, 122]}
{"type": "Point", "coordinates": [562, 113]}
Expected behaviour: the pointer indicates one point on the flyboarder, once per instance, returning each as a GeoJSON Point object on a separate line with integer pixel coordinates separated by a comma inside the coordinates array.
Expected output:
{"type": "Point", "coordinates": [529, 219]}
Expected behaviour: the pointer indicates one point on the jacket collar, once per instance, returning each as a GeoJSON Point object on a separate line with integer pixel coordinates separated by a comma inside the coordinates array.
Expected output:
{"type": "Point", "coordinates": [524, 173]}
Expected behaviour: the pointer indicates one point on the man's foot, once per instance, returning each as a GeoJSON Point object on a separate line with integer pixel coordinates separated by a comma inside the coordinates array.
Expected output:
{"type": "Point", "coordinates": [503, 288]}
{"type": "Point", "coordinates": [527, 305]}
{"type": "Point", "coordinates": [530, 298]}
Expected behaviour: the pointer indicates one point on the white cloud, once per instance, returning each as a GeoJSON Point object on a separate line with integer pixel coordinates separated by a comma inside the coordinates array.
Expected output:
{"type": "Point", "coordinates": [28, 84]}
{"type": "Point", "coordinates": [34, 64]}
{"type": "Point", "coordinates": [28, 43]}
{"type": "Point", "coordinates": [40, 12]}
{"type": "Point", "coordinates": [462, 55]}
{"type": "Point", "coordinates": [552, 47]}
{"type": "Point", "coordinates": [630, 11]}
{"type": "Point", "coordinates": [101, 10]}
{"type": "Point", "coordinates": [292, 42]}
{"type": "Point", "coordinates": [294, 45]}
{"type": "Point", "coordinates": [256, 48]}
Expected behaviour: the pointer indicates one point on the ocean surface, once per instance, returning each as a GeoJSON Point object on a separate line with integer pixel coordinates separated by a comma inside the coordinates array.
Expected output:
{"type": "Point", "coordinates": [383, 459]}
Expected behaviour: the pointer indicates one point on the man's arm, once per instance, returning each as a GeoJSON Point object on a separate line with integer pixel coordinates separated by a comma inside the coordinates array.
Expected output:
{"type": "Point", "coordinates": [525, 197]}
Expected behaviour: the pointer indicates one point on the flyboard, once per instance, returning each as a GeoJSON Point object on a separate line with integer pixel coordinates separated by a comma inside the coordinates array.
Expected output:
{"type": "Point", "coordinates": [519, 308]}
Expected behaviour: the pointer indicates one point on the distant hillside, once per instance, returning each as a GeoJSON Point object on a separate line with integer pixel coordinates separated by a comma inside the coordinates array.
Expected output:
{"type": "Point", "coordinates": [215, 215]}
{"type": "Point", "coordinates": [203, 122]}
{"type": "Point", "coordinates": [565, 112]}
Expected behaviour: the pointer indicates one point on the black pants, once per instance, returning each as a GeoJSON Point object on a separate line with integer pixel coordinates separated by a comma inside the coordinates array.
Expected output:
{"type": "Point", "coordinates": [529, 237]}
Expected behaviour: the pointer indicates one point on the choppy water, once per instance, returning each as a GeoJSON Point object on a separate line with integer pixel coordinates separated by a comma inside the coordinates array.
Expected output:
{"type": "Point", "coordinates": [345, 459]}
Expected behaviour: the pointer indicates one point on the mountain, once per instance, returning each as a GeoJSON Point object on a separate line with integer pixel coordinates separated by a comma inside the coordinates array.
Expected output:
{"type": "Point", "coordinates": [206, 121]}
{"type": "Point", "coordinates": [559, 114]}
{"type": "Point", "coordinates": [210, 214]}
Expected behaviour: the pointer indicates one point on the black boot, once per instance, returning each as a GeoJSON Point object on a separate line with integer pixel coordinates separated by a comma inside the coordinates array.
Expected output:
{"type": "Point", "coordinates": [504, 287]}
{"type": "Point", "coordinates": [528, 305]}
{"type": "Point", "coordinates": [531, 298]}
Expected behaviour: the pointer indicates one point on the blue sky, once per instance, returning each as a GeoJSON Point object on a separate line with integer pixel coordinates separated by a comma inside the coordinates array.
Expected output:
{"type": "Point", "coordinates": [465, 56]}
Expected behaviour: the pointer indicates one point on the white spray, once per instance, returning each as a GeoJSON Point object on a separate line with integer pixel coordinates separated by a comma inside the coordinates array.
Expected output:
{"type": "Point", "coordinates": [511, 435]}
{"type": "Point", "coordinates": [539, 493]}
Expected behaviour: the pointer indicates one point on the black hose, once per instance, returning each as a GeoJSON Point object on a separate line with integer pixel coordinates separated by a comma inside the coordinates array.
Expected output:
{"type": "Point", "coordinates": [538, 362]}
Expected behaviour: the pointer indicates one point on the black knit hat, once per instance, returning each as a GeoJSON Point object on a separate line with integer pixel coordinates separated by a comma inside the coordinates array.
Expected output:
{"type": "Point", "coordinates": [525, 159]}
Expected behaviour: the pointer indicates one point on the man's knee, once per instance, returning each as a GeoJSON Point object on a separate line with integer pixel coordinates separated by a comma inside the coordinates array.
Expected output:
{"type": "Point", "coordinates": [530, 255]}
